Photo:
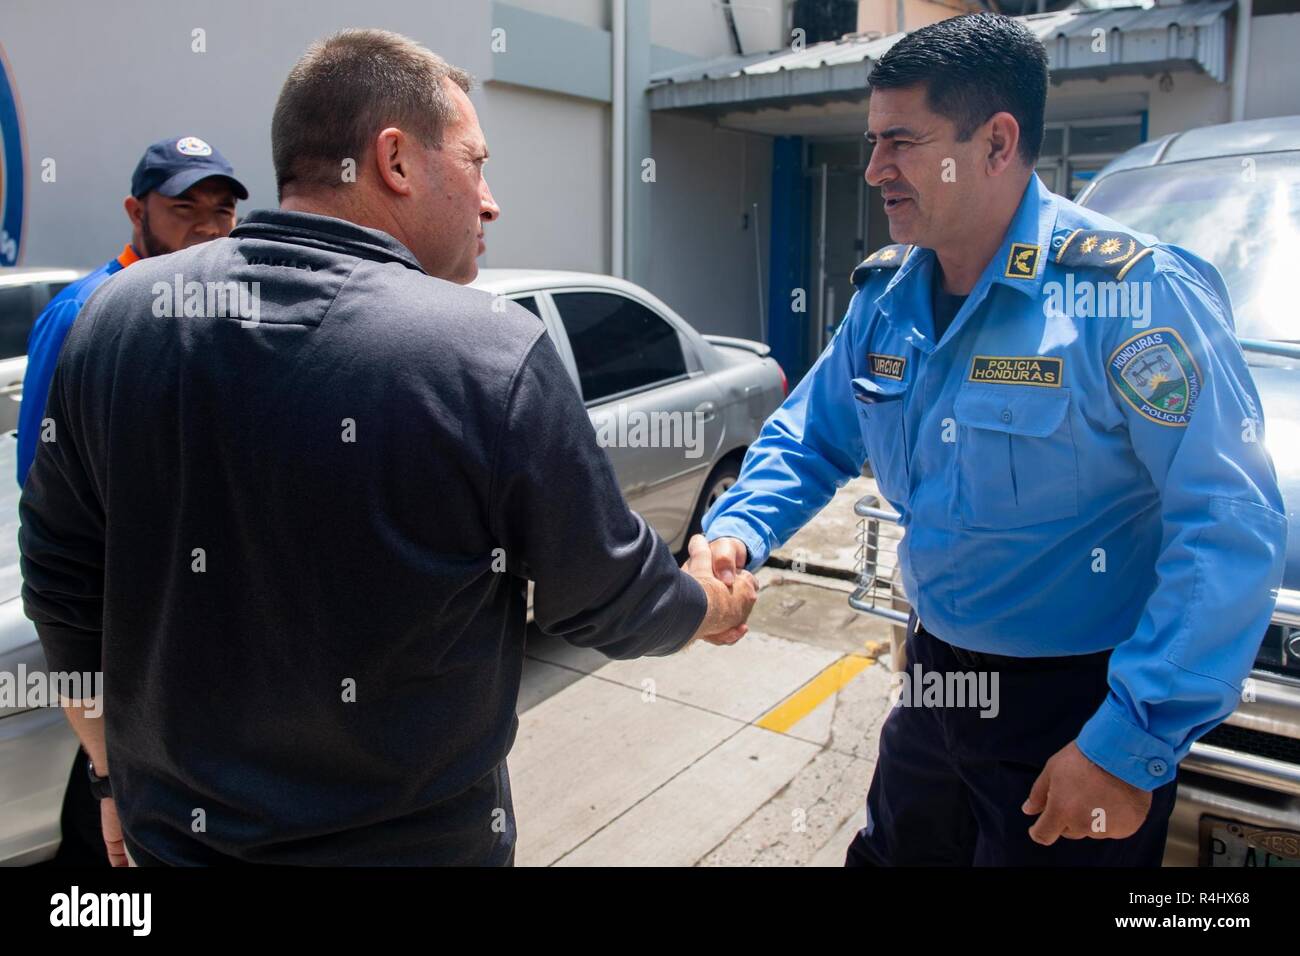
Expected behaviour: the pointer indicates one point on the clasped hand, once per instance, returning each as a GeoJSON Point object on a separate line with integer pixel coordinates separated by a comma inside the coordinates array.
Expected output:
{"type": "Point", "coordinates": [731, 594]}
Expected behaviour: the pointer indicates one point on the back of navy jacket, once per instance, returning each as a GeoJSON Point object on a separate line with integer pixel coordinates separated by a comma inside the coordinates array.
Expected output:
{"type": "Point", "coordinates": [294, 516]}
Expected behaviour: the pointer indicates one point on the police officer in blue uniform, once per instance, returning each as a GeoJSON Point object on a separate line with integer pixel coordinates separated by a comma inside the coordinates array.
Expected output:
{"type": "Point", "coordinates": [1060, 412]}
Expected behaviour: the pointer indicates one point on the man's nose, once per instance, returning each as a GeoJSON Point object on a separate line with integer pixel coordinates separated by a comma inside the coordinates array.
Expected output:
{"type": "Point", "coordinates": [488, 210]}
{"type": "Point", "coordinates": [210, 227]}
{"type": "Point", "coordinates": [878, 169]}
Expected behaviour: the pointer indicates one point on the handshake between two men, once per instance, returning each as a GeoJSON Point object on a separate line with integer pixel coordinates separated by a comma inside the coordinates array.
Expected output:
{"type": "Point", "coordinates": [719, 567]}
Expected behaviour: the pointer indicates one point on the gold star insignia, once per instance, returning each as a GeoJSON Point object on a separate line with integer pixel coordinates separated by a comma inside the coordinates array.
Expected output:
{"type": "Point", "coordinates": [1110, 246]}
{"type": "Point", "coordinates": [887, 254]}
{"type": "Point", "coordinates": [1132, 247]}
{"type": "Point", "coordinates": [1089, 244]}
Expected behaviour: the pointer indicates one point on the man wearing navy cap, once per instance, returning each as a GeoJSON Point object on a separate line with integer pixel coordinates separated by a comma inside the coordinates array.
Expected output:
{"type": "Point", "coordinates": [183, 192]}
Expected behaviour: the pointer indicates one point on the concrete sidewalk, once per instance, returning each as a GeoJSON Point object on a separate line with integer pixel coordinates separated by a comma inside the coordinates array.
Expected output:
{"type": "Point", "coordinates": [828, 544]}
{"type": "Point", "coordinates": [757, 754]}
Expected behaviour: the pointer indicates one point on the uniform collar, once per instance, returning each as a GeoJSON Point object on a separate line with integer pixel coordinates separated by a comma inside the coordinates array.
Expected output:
{"type": "Point", "coordinates": [908, 294]}
{"type": "Point", "coordinates": [324, 232]}
{"type": "Point", "coordinates": [1031, 229]}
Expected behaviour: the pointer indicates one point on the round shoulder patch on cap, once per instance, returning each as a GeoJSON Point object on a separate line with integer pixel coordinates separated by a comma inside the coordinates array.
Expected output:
{"type": "Point", "coordinates": [193, 146]}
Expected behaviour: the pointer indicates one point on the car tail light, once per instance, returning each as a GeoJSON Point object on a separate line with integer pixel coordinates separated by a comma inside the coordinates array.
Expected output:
{"type": "Point", "coordinates": [785, 385]}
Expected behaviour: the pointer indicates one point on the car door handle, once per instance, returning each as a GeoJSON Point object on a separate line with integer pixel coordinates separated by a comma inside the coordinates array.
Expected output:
{"type": "Point", "coordinates": [709, 411]}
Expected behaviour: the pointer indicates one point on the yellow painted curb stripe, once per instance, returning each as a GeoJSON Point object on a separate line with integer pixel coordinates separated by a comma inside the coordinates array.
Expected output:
{"type": "Point", "coordinates": [807, 698]}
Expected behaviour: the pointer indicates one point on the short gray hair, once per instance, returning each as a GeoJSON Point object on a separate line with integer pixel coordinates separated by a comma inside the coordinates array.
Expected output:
{"type": "Point", "coordinates": [344, 90]}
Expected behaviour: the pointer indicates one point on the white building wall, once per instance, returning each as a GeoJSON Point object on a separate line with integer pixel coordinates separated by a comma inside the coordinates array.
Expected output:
{"type": "Point", "coordinates": [1194, 99]}
{"type": "Point", "coordinates": [1274, 85]}
{"type": "Point", "coordinates": [112, 78]}
{"type": "Point", "coordinates": [550, 173]}
{"type": "Point", "coordinates": [590, 13]}
{"type": "Point", "coordinates": [704, 263]}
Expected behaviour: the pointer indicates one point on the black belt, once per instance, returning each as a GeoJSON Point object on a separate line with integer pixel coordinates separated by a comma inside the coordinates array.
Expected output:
{"type": "Point", "coordinates": [984, 661]}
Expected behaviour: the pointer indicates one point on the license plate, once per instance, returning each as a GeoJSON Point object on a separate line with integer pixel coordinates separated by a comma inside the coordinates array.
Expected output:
{"type": "Point", "coordinates": [1230, 843]}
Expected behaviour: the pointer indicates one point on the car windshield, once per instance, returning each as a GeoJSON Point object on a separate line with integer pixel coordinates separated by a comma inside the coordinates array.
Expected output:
{"type": "Point", "coordinates": [1242, 213]}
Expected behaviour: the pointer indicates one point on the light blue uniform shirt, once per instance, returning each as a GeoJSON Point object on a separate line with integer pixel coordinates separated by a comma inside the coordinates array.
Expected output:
{"type": "Point", "coordinates": [1069, 481]}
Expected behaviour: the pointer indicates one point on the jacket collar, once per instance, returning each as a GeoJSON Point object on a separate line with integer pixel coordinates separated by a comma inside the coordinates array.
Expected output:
{"type": "Point", "coordinates": [324, 232]}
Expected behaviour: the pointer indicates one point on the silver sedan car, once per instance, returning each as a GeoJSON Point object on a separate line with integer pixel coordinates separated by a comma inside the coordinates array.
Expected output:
{"type": "Point", "coordinates": [674, 409]}
{"type": "Point", "coordinates": [634, 361]}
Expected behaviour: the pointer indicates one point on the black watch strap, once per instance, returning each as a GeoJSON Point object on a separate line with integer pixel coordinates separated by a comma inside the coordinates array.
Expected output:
{"type": "Point", "coordinates": [99, 786]}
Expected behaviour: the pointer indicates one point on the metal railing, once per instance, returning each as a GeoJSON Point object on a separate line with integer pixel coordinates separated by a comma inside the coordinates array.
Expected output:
{"type": "Point", "coordinates": [879, 590]}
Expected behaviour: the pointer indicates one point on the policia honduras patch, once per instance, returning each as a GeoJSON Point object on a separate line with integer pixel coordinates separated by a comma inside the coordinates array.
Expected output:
{"type": "Point", "coordinates": [1017, 370]}
{"type": "Point", "coordinates": [1156, 375]}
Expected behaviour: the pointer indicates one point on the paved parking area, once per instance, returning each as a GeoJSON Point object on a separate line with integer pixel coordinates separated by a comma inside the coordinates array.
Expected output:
{"type": "Point", "coordinates": [757, 754]}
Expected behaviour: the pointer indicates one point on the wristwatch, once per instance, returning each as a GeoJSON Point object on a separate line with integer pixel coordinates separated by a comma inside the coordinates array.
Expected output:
{"type": "Point", "coordinates": [99, 786]}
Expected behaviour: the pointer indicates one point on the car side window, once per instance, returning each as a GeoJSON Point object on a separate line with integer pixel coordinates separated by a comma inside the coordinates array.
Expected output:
{"type": "Point", "coordinates": [618, 344]}
{"type": "Point", "coordinates": [529, 303]}
{"type": "Point", "coordinates": [15, 320]}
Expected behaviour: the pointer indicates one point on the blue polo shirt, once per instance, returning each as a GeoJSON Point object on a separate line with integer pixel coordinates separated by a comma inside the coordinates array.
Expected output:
{"type": "Point", "coordinates": [43, 347]}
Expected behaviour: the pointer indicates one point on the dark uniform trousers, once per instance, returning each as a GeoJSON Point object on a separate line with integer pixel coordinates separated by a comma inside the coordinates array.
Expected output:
{"type": "Point", "coordinates": [949, 783]}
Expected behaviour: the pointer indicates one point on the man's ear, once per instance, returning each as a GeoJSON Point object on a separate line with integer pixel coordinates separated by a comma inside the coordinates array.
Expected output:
{"type": "Point", "coordinates": [1002, 134]}
{"type": "Point", "coordinates": [134, 211]}
{"type": "Point", "coordinates": [393, 160]}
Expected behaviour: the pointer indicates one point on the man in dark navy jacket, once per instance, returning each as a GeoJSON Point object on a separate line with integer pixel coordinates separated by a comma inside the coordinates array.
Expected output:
{"type": "Point", "coordinates": [298, 486]}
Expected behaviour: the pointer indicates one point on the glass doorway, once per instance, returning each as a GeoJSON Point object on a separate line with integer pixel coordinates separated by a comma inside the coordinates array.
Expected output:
{"type": "Point", "coordinates": [838, 199]}
{"type": "Point", "coordinates": [1076, 151]}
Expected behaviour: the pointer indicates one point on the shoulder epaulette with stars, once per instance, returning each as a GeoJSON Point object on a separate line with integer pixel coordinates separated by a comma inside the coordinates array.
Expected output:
{"type": "Point", "coordinates": [886, 257]}
{"type": "Point", "coordinates": [1116, 252]}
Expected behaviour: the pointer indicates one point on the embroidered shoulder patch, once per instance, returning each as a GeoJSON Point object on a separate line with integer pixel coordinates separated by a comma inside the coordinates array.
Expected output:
{"type": "Point", "coordinates": [887, 366]}
{"type": "Point", "coordinates": [1155, 373]}
{"type": "Point", "coordinates": [1017, 370]}
{"type": "Point", "coordinates": [1115, 252]}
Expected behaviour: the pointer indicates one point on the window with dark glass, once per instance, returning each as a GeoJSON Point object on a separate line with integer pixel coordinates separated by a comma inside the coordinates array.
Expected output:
{"type": "Point", "coordinates": [825, 19]}
{"type": "Point", "coordinates": [530, 303]}
{"type": "Point", "coordinates": [618, 345]}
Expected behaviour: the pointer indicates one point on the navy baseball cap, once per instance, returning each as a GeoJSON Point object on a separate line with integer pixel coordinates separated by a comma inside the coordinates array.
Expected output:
{"type": "Point", "coordinates": [171, 166]}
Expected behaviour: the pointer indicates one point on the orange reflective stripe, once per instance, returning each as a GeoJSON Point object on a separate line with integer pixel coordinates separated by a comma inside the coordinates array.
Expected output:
{"type": "Point", "coordinates": [127, 256]}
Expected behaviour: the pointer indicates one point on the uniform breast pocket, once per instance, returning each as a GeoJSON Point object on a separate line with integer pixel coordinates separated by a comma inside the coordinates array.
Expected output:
{"type": "Point", "coordinates": [1015, 456]}
{"type": "Point", "coordinates": [880, 416]}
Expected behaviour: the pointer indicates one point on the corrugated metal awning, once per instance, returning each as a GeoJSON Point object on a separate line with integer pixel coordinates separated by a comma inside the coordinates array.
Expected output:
{"type": "Point", "coordinates": [1188, 36]}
